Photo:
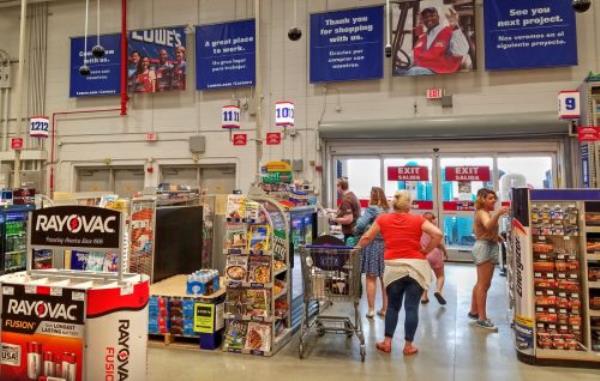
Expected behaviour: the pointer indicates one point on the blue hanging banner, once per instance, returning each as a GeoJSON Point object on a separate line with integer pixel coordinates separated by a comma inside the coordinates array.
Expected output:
{"type": "Point", "coordinates": [346, 45]}
{"type": "Point", "coordinates": [225, 55]}
{"type": "Point", "coordinates": [105, 76]}
{"type": "Point", "coordinates": [525, 34]}
{"type": "Point", "coordinates": [156, 60]}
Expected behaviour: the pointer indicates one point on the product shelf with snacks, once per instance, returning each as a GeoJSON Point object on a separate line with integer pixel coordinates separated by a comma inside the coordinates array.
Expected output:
{"type": "Point", "coordinates": [553, 278]}
{"type": "Point", "coordinates": [257, 276]}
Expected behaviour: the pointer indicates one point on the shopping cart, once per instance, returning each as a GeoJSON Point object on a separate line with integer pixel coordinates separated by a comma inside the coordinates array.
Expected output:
{"type": "Point", "coordinates": [331, 274]}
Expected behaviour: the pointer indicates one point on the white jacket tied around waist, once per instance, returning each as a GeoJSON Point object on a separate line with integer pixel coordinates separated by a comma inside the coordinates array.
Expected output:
{"type": "Point", "coordinates": [417, 269]}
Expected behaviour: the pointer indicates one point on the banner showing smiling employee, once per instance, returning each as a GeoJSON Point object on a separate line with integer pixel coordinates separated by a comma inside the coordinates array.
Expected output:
{"type": "Point", "coordinates": [433, 37]}
{"type": "Point", "coordinates": [156, 60]}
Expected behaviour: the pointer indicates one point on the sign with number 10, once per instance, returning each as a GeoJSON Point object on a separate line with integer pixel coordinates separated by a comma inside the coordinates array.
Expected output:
{"type": "Point", "coordinates": [568, 105]}
{"type": "Point", "coordinates": [284, 114]}
{"type": "Point", "coordinates": [38, 127]}
{"type": "Point", "coordinates": [230, 117]}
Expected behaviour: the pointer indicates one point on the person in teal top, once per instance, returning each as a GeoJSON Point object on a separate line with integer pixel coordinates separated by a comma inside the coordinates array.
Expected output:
{"type": "Point", "coordinates": [372, 264]}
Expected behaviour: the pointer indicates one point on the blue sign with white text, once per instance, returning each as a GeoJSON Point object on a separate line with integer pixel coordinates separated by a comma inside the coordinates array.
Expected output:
{"type": "Point", "coordinates": [346, 45]}
{"type": "Point", "coordinates": [524, 34]}
{"type": "Point", "coordinates": [105, 76]}
{"type": "Point", "coordinates": [225, 55]}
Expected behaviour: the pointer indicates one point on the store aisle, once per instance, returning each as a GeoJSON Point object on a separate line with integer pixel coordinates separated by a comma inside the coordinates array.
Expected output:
{"type": "Point", "coordinates": [450, 349]}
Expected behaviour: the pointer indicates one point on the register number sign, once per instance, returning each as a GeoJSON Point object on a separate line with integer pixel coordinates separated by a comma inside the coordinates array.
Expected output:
{"type": "Point", "coordinates": [467, 173]}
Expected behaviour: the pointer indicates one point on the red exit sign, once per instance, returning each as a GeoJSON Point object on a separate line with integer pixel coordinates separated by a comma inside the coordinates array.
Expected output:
{"type": "Point", "coordinates": [434, 93]}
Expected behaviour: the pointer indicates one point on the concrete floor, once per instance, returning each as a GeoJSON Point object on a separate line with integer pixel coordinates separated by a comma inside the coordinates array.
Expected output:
{"type": "Point", "coordinates": [450, 349]}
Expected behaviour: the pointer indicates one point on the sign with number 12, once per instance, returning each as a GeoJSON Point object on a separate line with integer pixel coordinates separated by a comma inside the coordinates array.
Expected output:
{"type": "Point", "coordinates": [38, 127]}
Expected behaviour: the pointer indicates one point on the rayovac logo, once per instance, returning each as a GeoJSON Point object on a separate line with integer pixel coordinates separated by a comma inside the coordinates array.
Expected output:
{"type": "Point", "coordinates": [43, 310]}
{"type": "Point", "coordinates": [75, 223]}
{"type": "Point", "coordinates": [122, 356]}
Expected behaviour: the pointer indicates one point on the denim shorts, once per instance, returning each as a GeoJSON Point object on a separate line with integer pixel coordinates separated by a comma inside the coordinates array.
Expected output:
{"type": "Point", "coordinates": [484, 251]}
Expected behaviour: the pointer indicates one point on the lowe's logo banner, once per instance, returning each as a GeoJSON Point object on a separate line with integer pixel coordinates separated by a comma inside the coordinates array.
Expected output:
{"type": "Point", "coordinates": [346, 45]}
{"type": "Point", "coordinates": [525, 34]}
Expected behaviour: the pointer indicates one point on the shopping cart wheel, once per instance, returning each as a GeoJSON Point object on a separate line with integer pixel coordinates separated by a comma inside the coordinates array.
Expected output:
{"type": "Point", "coordinates": [363, 353]}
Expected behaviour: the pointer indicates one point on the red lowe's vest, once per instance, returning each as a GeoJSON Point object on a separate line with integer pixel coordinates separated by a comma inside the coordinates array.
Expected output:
{"type": "Point", "coordinates": [436, 58]}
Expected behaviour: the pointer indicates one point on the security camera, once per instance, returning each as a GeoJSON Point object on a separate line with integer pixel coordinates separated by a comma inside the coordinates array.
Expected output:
{"type": "Point", "coordinates": [84, 70]}
{"type": "Point", "coordinates": [98, 51]}
{"type": "Point", "coordinates": [294, 34]}
{"type": "Point", "coordinates": [388, 50]}
{"type": "Point", "coordinates": [581, 5]}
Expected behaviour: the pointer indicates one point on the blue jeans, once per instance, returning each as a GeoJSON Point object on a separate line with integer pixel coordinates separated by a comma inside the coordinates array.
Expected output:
{"type": "Point", "coordinates": [396, 292]}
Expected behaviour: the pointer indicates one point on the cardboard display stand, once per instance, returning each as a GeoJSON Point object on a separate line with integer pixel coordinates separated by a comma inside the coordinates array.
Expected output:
{"type": "Point", "coordinates": [73, 325]}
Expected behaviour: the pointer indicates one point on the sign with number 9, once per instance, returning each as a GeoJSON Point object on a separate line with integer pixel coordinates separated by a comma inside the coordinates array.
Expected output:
{"type": "Point", "coordinates": [568, 105]}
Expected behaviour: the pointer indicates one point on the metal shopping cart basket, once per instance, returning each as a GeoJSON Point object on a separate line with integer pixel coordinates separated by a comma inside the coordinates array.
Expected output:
{"type": "Point", "coordinates": [331, 274]}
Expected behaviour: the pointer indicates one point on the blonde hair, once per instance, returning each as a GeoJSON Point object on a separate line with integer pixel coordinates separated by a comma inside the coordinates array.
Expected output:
{"type": "Point", "coordinates": [378, 198]}
{"type": "Point", "coordinates": [481, 196]}
{"type": "Point", "coordinates": [402, 201]}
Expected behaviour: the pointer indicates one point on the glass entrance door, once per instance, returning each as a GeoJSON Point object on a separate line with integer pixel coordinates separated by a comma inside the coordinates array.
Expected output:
{"type": "Point", "coordinates": [447, 184]}
{"type": "Point", "coordinates": [459, 179]}
{"type": "Point", "coordinates": [414, 174]}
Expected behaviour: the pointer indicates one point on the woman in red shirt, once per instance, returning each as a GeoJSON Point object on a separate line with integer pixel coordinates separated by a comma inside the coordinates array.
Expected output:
{"type": "Point", "coordinates": [407, 273]}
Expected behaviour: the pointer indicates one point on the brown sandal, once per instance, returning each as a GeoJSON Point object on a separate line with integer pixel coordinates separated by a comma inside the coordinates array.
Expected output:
{"type": "Point", "coordinates": [410, 352]}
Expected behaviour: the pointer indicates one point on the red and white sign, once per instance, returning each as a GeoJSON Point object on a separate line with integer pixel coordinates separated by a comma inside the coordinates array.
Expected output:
{"type": "Point", "coordinates": [422, 205]}
{"type": "Point", "coordinates": [588, 134]}
{"type": "Point", "coordinates": [16, 144]}
{"type": "Point", "coordinates": [408, 173]}
{"type": "Point", "coordinates": [568, 104]}
{"type": "Point", "coordinates": [273, 138]}
{"type": "Point", "coordinates": [39, 126]}
{"type": "Point", "coordinates": [230, 117]}
{"type": "Point", "coordinates": [434, 93]}
{"type": "Point", "coordinates": [467, 173]}
{"type": "Point", "coordinates": [240, 139]}
{"type": "Point", "coordinates": [284, 114]}
{"type": "Point", "coordinates": [459, 206]}
{"type": "Point", "coordinates": [151, 136]}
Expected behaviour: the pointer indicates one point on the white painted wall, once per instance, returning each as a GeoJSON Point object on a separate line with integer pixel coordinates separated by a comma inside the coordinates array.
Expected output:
{"type": "Point", "coordinates": [86, 140]}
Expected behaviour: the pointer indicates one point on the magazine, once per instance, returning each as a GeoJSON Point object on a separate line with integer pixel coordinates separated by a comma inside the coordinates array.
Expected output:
{"type": "Point", "coordinates": [236, 237]}
{"type": "Point", "coordinates": [259, 269]}
{"type": "Point", "coordinates": [236, 206]}
{"type": "Point", "coordinates": [259, 237]}
{"type": "Point", "coordinates": [236, 268]}
{"type": "Point", "coordinates": [258, 337]}
{"type": "Point", "coordinates": [235, 336]}
{"type": "Point", "coordinates": [257, 303]}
